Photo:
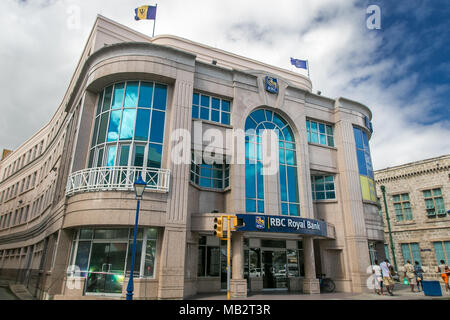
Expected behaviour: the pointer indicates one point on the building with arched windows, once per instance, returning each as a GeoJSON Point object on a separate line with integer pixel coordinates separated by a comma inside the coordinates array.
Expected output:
{"type": "Point", "coordinates": [212, 133]}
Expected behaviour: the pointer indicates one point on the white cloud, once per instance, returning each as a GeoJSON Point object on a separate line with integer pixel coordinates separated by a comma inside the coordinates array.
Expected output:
{"type": "Point", "coordinates": [39, 54]}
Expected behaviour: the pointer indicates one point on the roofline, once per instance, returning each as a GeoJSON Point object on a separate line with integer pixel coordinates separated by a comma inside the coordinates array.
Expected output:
{"type": "Point", "coordinates": [408, 164]}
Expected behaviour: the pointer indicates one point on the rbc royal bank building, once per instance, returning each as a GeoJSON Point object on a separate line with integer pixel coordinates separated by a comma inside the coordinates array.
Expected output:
{"type": "Point", "coordinates": [67, 205]}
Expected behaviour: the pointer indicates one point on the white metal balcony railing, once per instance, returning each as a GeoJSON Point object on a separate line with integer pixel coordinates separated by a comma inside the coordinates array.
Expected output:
{"type": "Point", "coordinates": [117, 178]}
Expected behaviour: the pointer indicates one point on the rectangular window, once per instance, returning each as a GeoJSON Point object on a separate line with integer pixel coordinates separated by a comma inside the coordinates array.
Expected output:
{"type": "Point", "coordinates": [320, 133]}
{"type": "Point", "coordinates": [208, 264]}
{"type": "Point", "coordinates": [411, 252]}
{"type": "Point", "coordinates": [442, 251]}
{"type": "Point", "coordinates": [211, 176]}
{"type": "Point", "coordinates": [402, 207]}
{"type": "Point", "coordinates": [434, 203]}
{"type": "Point", "coordinates": [211, 108]}
{"type": "Point", "coordinates": [323, 188]}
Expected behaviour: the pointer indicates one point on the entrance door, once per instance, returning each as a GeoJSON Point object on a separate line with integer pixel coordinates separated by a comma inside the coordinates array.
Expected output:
{"type": "Point", "coordinates": [274, 269]}
{"type": "Point", "coordinates": [106, 268]}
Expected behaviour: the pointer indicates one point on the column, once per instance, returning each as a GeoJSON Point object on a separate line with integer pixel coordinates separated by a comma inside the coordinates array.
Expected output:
{"type": "Point", "coordinates": [311, 284]}
{"type": "Point", "coordinates": [238, 285]}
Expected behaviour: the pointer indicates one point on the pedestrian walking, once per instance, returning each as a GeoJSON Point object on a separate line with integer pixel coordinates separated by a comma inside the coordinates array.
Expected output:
{"type": "Point", "coordinates": [409, 274]}
{"type": "Point", "coordinates": [378, 278]}
{"type": "Point", "coordinates": [445, 273]}
{"type": "Point", "coordinates": [387, 273]}
{"type": "Point", "coordinates": [418, 271]}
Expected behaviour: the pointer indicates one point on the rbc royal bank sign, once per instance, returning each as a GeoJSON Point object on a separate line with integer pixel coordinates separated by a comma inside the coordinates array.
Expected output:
{"type": "Point", "coordinates": [272, 85]}
{"type": "Point", "coordinates": [282, 224]}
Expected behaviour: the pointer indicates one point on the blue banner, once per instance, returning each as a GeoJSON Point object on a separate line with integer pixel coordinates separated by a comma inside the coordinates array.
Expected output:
{"type": "Point", "coordinates": [282, 224]}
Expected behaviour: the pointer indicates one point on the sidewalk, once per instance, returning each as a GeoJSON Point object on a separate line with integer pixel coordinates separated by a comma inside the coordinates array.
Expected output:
{"type": "Point", "coordinates": [401, 292]}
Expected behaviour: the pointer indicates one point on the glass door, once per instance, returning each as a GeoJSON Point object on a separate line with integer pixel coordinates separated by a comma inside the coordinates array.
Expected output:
{"type": "Point", "coordinates": [274, 269]}
{"type": "Point", "coordinates": [106, 268]}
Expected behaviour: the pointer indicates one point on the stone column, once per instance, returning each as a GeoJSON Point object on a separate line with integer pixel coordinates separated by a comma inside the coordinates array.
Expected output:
{"type": "Point", "coordinates": [311, 284]}
{"type": "Point", "coordinates": [238, 285]}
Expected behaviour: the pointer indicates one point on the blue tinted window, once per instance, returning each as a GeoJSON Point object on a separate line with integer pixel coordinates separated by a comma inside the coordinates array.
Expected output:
{"type": "Point", "coordinates": [196, 99]}
{"type": "Point", "coordinates": [260, 180]}
{"type": "Point", "coordinates": [102, 129]}
{"type": "Point", "coordinates": [127, 127]}
{"type": "Point", "coordinates": [250, 206]}
{"type": "Point", "coordinates": [154, 155]}
{"type": "Point", "coordinates": [250, 186]}
{"type": "Point", "coordinates": [195, 112]}
{"type": "Point", "coordinates": [358, 138]}
{"type": "Point", "coordinates": [225, 105]}
{"type": "Point", "coordinates": [215, 116]}
{"type": "Point", "coordinates": [205, 101]}
{"type": "Point", "coordinates": [114, 122]}
{"type": "Point", "coordinates": [94, 133]}
{"type": "Point", "coordinates": [142, 125]}
{"type": "Point", "coordinates": [259, 116]}
{"type": "Point", "coordinates": [283, 184]}
{"type": "Point", "coordinates": [107, 99]}
{"type": "Point", "coordinates": [215, 104]}
{"type": "Point", "coordinates": [111, 156]}
{"type": "Point", "coordinates": [124, 153]}
{"type": "Point", "coordinates": [157, 128]}
{"type": "Point", "coordinates": [292, 184]}
{"type": "Point", "coordinates": [99, 103]}
{"type": "Point", "coordinates": [160, 97]}
{"type": "Point", "coordinates": [131, 95]}
{"type": "Point", "coordinates": [250, 124]}
{"type": "Point", "coordinates": [225, 118]}
{"type": "Point", "coordinates": [139, 156]}
{"type": "Point", "coordinates": [118, 96]}
{"type": "Point", "coordinates": [361, 162]}
{"type": "Point", "coordinates": [146, 95]}
{"type": "Point", "coordinates": [204, 113]}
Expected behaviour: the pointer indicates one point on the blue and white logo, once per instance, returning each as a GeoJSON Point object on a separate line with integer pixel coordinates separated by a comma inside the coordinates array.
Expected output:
{"type": "Point", "coordinates": [271, 84]}
{"type": "Point", "coordinates": [260, 222]}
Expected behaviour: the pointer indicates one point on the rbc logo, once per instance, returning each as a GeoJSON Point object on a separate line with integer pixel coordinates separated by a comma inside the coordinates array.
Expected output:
{"type": "Point", "coordinates": [260, 223]}
{"type": "Point", "coordinates": [271, 85]}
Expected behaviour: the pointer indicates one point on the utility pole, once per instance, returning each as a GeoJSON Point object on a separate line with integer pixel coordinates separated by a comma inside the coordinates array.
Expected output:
{"type": "Point", "coordinates": [383, 190]}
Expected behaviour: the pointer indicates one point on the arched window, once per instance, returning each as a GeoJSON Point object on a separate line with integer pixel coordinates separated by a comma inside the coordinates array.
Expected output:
{"type": "Point", "coordinates": [259, 120]}
{"type": "Point", "coordinates": [129, 125]}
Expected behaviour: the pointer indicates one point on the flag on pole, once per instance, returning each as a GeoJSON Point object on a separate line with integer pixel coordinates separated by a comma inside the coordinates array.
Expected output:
{"type": "Point", "coordinates": [301, 64]}
{"type": "Point", "coordinates": [145, 13]}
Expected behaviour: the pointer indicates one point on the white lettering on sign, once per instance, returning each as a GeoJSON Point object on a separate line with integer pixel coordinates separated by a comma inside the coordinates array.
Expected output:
{"type": "Point", "coordinates": [293, 224]}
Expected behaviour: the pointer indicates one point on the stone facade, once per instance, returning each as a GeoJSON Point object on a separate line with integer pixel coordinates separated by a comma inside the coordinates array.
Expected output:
{"type": "Point", "coordinates": [423, 227]}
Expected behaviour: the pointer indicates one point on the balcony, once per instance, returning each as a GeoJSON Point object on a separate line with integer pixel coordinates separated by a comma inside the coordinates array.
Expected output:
{"type": "Point", "coordinates": [117, 179]}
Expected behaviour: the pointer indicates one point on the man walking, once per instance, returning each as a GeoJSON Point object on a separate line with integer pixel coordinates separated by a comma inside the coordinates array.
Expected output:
{"type": "Point", "coordinates": [388, 282]}
{"type": "Point", "coordinates": [419, 275]}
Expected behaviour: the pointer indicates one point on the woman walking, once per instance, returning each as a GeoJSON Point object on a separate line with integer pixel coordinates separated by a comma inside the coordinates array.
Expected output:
{"type": "Point", "coordinates": [418, 271]}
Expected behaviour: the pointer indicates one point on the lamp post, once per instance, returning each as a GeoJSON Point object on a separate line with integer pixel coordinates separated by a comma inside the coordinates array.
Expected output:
{"type": "Point", "coordinates": [139, 187]}
{"type": "Point", "coordinates": [383, 190]}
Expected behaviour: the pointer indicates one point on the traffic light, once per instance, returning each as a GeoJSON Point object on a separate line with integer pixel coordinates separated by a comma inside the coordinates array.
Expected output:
{"type": "Point", "coordinates": [218, 227]}
{"type": "Point", "coordinates": [238, 223]}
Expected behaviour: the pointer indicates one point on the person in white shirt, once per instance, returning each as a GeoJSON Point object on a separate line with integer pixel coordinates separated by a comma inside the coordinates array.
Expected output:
{"type": "Point", "coordinates": [376, 270]}
{"type": "Point", "coordinates": [387, 276]}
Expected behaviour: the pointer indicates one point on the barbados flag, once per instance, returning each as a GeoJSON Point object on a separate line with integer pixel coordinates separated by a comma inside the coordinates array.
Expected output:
{"type": "Point", "coordinates": [145, 13]}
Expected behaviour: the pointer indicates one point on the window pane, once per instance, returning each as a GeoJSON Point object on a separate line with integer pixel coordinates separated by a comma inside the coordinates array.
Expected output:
{"type": "Point", "coordinates": [114, 122]}
{"type": "Point", "coordinates": [205, 101]}
{"type": "Point", "coordinates": [131, 94]}
{"type": "Point", "coordinates": [358, 138]}
{"type": "Point", "coordinates": [103, 127]}
{"type": "Point", "coordinates": [154, 155]}
{"type": "Point", "coordinates": [82, 257]}
{"type": "Point", "coordinates": [157, 128]}
{"type": "Point", "coordinates": [196, 99]}
{"type": "Point", "coordinates": [99, 103]}
{"type": "Point", "coordinates": [139, 156]}
{"type": "Point", "coordinates": [250, 187]}
{"type": "Point", "coordinates": [215, 103]}
{"type": "Point", "coordinates": [100, 158]}
{"type": "Point", "coordinates": [204, 113]}
{"type": "Point", "coordinates": [160, 97]}
{"type": "Point", "coordinates": [118, 96]}
{"type": "Point", "coordinates": [95, 132]}
{"type": "Point", "coordinates": [225, 105]}
{"type": "Point", "coordinates": [323, 139]}
{"type": "Point", "coordinates": [124, 153]}
{"type": "Point", "coordinates": [111, 156]}
{"type": "Point", "coordinates": [290, 157]}
{"type": "Point", "coordinates": [225, 118]}
{"type": "Point", "coordinates": [127, 127]}
{"type": "Point", "coordinates": [292, 184]}
{"type": "Point", "coordinates": [150, 257]}
{"type": "Point", "coordinates": [142, 124]}
{"type": "Point", "coordinates": [321, 128]}
{"type": "Point", "coordinates": [137, 257]}
{"type": "Point", "coordinates": [195, 112]}
{"type": "Point", "coordinates": [107, 98]}
{"type": "Point", "coordinates": [215, 116]}
{"type": "Point", "coordinates": [145, 95]}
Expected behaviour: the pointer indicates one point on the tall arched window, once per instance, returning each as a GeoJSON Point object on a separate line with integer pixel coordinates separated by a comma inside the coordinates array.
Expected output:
{"type": "Point", "coordinates": [259, 120]}
{"type": "Point", "coordinates": [129, 125]}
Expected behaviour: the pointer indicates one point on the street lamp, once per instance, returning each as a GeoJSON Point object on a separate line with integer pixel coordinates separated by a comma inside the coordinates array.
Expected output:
{"type": "Point", "coordinates": [383, 190]}
{"type": "Point", "coordinates": [139, 187]}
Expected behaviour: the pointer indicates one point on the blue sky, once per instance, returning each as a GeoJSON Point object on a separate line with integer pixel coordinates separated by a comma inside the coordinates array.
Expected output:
{"type": "Point", "coordinates": [401, 71]}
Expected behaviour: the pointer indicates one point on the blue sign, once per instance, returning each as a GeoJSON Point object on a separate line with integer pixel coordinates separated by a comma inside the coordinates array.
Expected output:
{"type": "Point", "coordinates": [282, 224]}
{"type": "Point", "coordinates": [272, 85]}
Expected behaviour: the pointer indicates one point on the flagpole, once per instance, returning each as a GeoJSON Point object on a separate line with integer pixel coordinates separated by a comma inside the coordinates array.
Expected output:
{"type": "Point", "coordinates": [154, 22]}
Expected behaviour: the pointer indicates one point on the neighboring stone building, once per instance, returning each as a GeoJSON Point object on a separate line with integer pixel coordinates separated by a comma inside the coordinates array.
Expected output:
{"type": "Point", "coordinates": [418, 198]}
{"type": "Point", "coordinates": [66, 194]}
